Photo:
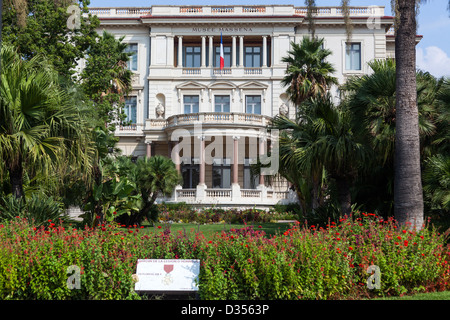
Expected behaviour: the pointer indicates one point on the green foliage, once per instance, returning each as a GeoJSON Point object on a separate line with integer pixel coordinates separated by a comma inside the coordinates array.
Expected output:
{"type": "Point", "coordinates": [43, 30]}
{"type": "Point", "coordinates": [437, 181]}
{"type": "Point", "coordinates": [106, 78]}
{"type": "Point", "coordinates": [37, 208]}
{"type": "Point", "coordinates": [126, 191]}
{"type": "Point", "coordinates": [308, 73]}
{"type": "Point", "coordinates": [305, 262]}
{"type": "Point", "coordinates": [41, 130]}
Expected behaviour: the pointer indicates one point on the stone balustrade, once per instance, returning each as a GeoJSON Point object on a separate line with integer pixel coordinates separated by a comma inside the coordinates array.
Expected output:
{"type": "Point", "coordinates": [208, 118]}
{"type": "Point", "coordinates": [238, 10]}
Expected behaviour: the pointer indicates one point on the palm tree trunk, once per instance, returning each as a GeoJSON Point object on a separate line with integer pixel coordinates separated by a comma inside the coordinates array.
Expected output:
{"type": "Point", "coordinates": [344, 195]}
{"type": "Point", "coordinates": [408, 197]}
{"type": "Point", "coordinates": [137, 218]}
{"type": "Point", "coordinates": [16, 178]}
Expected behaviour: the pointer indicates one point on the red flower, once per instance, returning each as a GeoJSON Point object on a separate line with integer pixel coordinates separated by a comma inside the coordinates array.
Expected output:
{"type": "Point", "coordinates": [159, 227]}
{"type": "Point", "coordinates": [350, 248]}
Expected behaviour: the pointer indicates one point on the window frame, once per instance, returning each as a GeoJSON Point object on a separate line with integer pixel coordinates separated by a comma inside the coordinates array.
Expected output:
{"type": "Point", "coordinates": [253, 55]}
{"type": "Point", "coordinates": [361, 57]}
{"type": "Point", "coordinates": [226, 55]}
{"type": "Point", "coordinates": [247, 96]}
{"type": "Point", "coordinates": [192, 57]}
{"type": "Point", "coordinates": [193, 170]}
{"type": "Point", "coordinates": [127, 109]}
{"type": "Point", "coordinates": [191, 103]}
{"type": "Point", "coordinates": [222, 104]}
{"type": "Point", "coordinates": [133, 61]}
{"type": "Point", "coordinates": [221, 165]}
{"type": "Point", "coordinates": [249, 181]}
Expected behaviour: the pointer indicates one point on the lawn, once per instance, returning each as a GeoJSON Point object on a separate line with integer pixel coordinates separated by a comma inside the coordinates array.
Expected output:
{"type": "Point", "coordinates": [443, 295]}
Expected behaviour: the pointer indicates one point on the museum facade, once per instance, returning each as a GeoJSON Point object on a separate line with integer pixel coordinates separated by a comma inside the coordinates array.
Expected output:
{"type": "Point", "coordinates": [210, 117]}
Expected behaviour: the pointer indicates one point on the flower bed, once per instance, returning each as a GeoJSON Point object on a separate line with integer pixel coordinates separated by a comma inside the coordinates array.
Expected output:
{"type": "Point", "coordinates": [305, 262]}
{"type": "Point", "coordinates": [215, 215]}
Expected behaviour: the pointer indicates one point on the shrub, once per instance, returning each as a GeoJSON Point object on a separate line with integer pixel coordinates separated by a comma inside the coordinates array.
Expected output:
{"type": "Point", "coordinates": [214, 215]}
{"type": "Point", "coordinates": [38, 208]}
{"type": "Point", "coordinates": [305, 262]}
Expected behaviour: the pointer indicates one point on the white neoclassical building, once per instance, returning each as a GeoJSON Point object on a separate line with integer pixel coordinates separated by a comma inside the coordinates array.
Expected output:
{"type": "Point", "coordinates": [213, 121]}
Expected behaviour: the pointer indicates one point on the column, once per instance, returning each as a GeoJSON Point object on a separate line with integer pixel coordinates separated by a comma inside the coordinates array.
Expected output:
{"type": "Point", "coordinates": [175, 156]}
{"type": "Point", "coordinates": [272, 50]}
{"type": "Point", "coordinates": [235, 187]}
{"type": "Point", "coordinates": [264, 53]}
{"type": "Point", "coordinates": [241, 51]}
{"type": "Point", "coordinates": [261, 153]}
{"type": "Point", "coordinates": [203, 51]}
{"type": "Point", "coordinates": [202, 160]}
{"type": "Point", "coordinates": [170, 50]}
{"type": "Point", "coordinates": [180, 52]}
{"type": "Point", "coordinates": [149, 148]}
{"type": "Point", "coordinates": [236, 160]}
{"type": "Point", "coordinates": [200, 194]}
{"type": "Point", "coordinates": [233, 52]}
{"type": "Point", "coordinates": [211, 52]}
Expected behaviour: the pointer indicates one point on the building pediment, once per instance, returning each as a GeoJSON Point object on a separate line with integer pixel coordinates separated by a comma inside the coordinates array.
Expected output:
{"type": "Point", "coordinates": [253, 85]}
{"type": "Point", "coordinates": [222, 85]}
{"type": "Point", "coordinates": [191, 85]}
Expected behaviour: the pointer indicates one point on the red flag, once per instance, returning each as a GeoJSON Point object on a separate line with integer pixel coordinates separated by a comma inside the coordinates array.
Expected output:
{"type": "Point", "coordinates": [222, 58]}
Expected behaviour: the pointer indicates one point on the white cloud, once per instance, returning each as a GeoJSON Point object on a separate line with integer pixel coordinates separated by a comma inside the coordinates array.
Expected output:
{"type": "Point", "coordinates": [434, 60]}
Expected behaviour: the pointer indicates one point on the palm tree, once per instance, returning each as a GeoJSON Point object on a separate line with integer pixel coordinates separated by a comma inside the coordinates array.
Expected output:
{"type": "Point", "coordinates": [436, 175]}
{"type": "Point", "coordinates": [436, 178]}
{"type": "Point", "coordinates": [408, 198]}
{"type": "Point", "coordinates": [372, 100]}
{"type": "Point", "coordinates": [322, 138]}
{"type": "Point", "coordinates": [153, 176]}
{"type": "Point", "coordinates": [307, 73]}
{"type": "Point", "coordinates": [40, 129]}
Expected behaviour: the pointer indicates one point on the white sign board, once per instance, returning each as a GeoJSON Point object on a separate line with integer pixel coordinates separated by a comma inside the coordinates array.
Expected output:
{"type": "Point", "coordinates": [163, 275]}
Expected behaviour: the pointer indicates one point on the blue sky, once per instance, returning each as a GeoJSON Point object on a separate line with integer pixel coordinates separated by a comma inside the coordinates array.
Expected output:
{"type": "Point", "coordinates": [433, 52]}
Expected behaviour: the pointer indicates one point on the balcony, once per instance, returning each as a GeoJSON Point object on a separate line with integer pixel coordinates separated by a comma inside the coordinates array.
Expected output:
{"type": "Point", "coordinates": [261, 198]}
{"type": "Point", "coordinates": [232, 10]}
{"type": "Point", "coordinates": [209, 72]}
{"type": "Point", "coordinates": [208, 118]}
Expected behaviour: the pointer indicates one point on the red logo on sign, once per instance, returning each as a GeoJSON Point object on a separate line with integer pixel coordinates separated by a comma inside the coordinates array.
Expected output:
{"type": "Point", "coordinates": [168, 268]}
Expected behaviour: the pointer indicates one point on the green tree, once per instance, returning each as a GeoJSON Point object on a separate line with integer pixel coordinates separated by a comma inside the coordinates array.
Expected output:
{"type": "Point", "coordinates": [153, 176]}
{"type": "Point", "coordinates": [372, 101]}
{"type": "Point", "coordinates": [40, 27]}
{"type": "Point", "coordinates": [106, 78]}
{"type": "Point", "coordinates": [40, 129]}
{"type": "Point", "coordinates": [323, 138]}
{"type": "Point", "coordinates": [408, 195]}
{"type": "Point", "coordinates": [308, 73]}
